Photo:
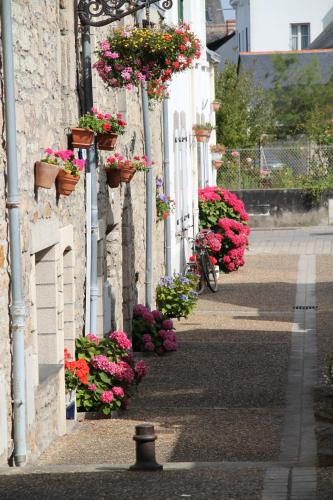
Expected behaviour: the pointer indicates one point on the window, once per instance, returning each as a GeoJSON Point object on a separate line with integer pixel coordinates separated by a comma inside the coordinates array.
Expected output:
{"type": "Point", "coordinates": [299, 36]}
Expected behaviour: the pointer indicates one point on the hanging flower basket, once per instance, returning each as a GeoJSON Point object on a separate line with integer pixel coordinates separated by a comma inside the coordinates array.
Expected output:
{"type": "Point", "coordinates": [132, 55]}
{"type": "Point", "coordinates": [66, 182]}
{"type": "Point", "coordinates": [127, 173]}
{"type": "Point", "coordinates": [45, 174]}
{"type": "Point", "coordinates": [113, 177]}
{"type": "Point", "coordinates": [106, 142]}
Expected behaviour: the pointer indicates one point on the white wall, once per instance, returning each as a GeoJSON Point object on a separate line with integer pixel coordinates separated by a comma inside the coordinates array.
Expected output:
{"type": "Point", "coordinates": [269, 21]}
{"type": "Point", "coordinates": [191, 94]}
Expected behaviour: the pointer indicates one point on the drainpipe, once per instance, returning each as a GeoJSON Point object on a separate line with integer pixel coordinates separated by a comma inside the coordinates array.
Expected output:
{"type": "Point", "coordinates": [91, 168]}
{"type": "Point", "coordinates": [149, 201]}
{"type": "Point", "coordinates": [17, 308]}
{"type": "Point", "coordinates": [167, 186]}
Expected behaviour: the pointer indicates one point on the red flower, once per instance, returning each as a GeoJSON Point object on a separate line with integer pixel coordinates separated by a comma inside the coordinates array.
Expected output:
{"type": "Point", "coordinates": [107, 127]}
{"type": "Point", "coordinates": [176, 64]}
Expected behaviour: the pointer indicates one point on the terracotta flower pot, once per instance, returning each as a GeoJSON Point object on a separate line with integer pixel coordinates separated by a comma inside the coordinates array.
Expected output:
{"type": "Point", "coordinates": [113, 177]}
{"type": "Point", "coordinates": [216, 105]}
{"type": "Point", "coordinates": [126, 174]}
{"type": "Point", "coordinates": [45, 174]}
{"type": "Point", "coordinates": [82, 138]}
{"type": "Point", "coordinates": [202, 135]}
{"type": "Point", "coordinates": [66, 182]}
{"type": "Point", "coordinates": [217, 164]}
{"type": "Point", "coordinates": [106, 142]}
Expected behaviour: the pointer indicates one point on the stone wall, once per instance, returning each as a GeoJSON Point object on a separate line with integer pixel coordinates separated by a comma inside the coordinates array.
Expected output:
{"type": "Point", "coordinates": [47, 51]}
{"type": "Point", "coordinates": [287, 207]}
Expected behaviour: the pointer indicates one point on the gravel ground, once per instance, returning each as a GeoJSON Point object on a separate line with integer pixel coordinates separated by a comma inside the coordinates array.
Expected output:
{"type": "Point", "coordinates": [208, 435]}
{"type": "Point", "coordinates": [220, 397]}
{"type": "Point", "coordinates": [168, 485]}
{"type": "Point", "coordinates": [264, 283]}
{"type": "Point", "coordinates": [325, 483]}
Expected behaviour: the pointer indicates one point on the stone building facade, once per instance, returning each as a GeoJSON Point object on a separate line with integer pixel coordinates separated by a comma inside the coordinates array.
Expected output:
{"type": "Point", "coordinates": [47, 55]}
{"type": "Point", "coordinates": [54, 230]}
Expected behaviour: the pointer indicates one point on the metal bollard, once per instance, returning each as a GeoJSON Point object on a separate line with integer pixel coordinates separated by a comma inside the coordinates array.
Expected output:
{"type": "Point", "coordinates": [145, 438]}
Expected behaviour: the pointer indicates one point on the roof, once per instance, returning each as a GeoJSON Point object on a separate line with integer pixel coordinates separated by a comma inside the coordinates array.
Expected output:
{"type": "Point", "coordinates": [325, 39]}
{"type": "Point", "coordinates": [219, 42]}
{"type": "Point", "coordinates": [213, 56]}
{"type": "Point", "coordinates": [262, 64]}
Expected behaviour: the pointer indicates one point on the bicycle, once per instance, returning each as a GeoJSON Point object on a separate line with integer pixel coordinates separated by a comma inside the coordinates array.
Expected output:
{"type": "Point", "coordinates": [202, 266]}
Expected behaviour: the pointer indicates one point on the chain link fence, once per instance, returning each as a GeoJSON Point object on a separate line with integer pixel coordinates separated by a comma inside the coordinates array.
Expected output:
{"type": "Point", "coordinates": [271, 167]}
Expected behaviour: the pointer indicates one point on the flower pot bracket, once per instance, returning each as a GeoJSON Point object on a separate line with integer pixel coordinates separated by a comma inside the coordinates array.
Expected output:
{"type": "Point", "coordinates": [112, 10]}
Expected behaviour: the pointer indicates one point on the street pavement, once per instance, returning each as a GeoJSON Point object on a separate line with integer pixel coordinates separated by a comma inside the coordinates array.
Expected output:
{"type": "Point", "coordinates": [233, 408]}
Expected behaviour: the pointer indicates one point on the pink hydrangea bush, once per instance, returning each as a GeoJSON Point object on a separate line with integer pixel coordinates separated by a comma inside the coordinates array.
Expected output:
{"type": "Point", "coordinates": [152, 332]}
{"type": "Point", "coordinates": [225, 214]}
{"type": "Point", "coordinates": [114, 375]}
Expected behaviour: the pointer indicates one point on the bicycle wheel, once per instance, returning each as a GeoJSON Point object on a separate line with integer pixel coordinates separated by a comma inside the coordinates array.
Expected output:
{"type": "Point", "coordinates": [209, 273]}
{"type": "Point", "coordinates": [192, 268]}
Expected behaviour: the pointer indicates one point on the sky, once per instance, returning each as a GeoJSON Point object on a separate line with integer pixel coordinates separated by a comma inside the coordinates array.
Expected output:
{"type": "Point", "coordinates": [228, 14]}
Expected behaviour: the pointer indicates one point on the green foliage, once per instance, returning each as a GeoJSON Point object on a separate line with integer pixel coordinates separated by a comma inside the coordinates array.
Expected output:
{"type": "Point", "coordinates": [100, 123]}
{"type": "Point", "coordinates": [245, 114]}
{"type": "Point", "coordinates": [301, 103]}
{"type": "Point", "coordinates": [212, 211]}
{"type": "Point", "coordinates": [91, 122]}
{"type": "Point", "coordinates": [203, 126]}
{"type": "Point", "coordinates": [176, 295]}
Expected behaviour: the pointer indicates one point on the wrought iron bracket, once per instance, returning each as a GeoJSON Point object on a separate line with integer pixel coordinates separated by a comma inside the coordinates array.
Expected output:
{"type": "Point", "coordinates": [90, 11]}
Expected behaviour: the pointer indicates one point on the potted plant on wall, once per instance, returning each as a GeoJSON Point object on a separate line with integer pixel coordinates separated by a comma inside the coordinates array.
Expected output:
{"type": "Point", "coordinates": [118, 169]}
{"type": "Point", "coordinates": [113, 166]}
{"type": "Point", "coordinates": [202, 131]}
{"type": "Point", "coordinates": [164, 204]}
{"type": "Point", "coordinates": [47, 169]}
{"type": "Point", "coordinates": [83, 135]}
{"type": "Point", "coordinates": [110, 127]}
{"type": "Point", "coordinates": [217, 151]}
{"type": "Point", "coordinates": [216, 104]}
{"type": "Point", "coordinates": [69, 173]}
{"type": "Point", "coordinates": [107, 127]}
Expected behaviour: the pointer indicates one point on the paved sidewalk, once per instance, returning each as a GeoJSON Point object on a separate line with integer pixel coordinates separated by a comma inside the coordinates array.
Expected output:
{"type": "Point", "coordinates": [233, 408]}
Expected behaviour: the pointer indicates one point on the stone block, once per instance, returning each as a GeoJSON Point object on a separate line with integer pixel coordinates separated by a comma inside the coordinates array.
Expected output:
{"type": "Point", "coordinates": [2, 256]}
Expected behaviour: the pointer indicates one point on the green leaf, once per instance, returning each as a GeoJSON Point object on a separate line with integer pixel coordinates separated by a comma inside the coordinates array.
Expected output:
{"type": "Point", "coordinates": [104, 377]}
{"type": "Point", "coordinates": [106, 410]}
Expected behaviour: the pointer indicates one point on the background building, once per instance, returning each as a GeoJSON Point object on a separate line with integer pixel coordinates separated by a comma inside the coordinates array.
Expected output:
{"type": "Point", "coordinates": [279, 24]}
